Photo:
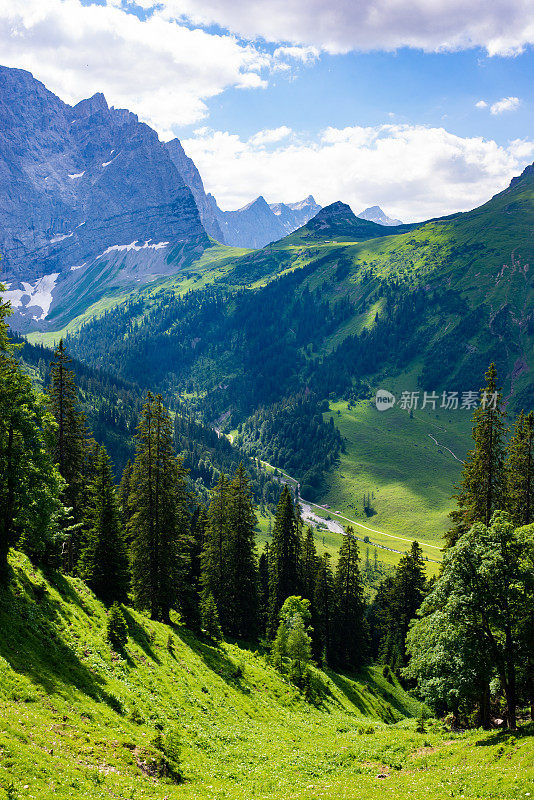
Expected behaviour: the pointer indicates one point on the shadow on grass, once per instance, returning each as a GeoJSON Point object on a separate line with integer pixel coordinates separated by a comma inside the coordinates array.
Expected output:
{"type": "Point", "coordinates": [30, 643]}
{"type": "Point", "coordinates": [139, 635]}
{"type": "Point", "coordinates": [215, 659]}
{"type": "Point", "coordinates": [502, 735]}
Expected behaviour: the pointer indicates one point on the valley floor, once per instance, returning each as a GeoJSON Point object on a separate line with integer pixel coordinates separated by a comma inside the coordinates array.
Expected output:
{"type": "Point", "coordinates": [80, 721]}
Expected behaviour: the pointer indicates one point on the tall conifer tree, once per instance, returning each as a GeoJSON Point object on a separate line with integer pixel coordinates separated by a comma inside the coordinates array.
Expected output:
{"type": "Point", "coordinates": [104, 561]}
{"type": "Point", "coordinates": [309, 565]}
{"type": "Point", "coordinates": [30, 484]}
{"type": "Point", "coordinates": [520, 471]}
{"type": "Point", "coordinates": [243, 576]}
{"type": "Point", "coordinates": [159, 521]}
{"type": "Point", "coordinates": [284, 558]}
{"type": "Point", "coordinates": [324, 610]}
{"type": "Point", "coordinates": [69, 441]}
{"type": "Point", "coordinates": [482, 486]}
{"type": "Point", "coordinates": [352, 634]}
{"type": "Point", "coordinates": [214, 560]}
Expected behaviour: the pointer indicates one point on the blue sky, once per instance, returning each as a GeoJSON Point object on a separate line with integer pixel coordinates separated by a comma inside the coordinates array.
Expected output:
{"type": "Point", "coordinates": [367, 102]}
{"type": "Point", "coordinates": [365, 89]}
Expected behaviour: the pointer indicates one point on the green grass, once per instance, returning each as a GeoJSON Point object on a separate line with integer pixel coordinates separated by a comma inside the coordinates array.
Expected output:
{"type": "Point", "coordinates": [214, 263]}
{"type": "Point", "coordinates": [80, 721]}
{"type": "Point", "coordinates": [410, 478]}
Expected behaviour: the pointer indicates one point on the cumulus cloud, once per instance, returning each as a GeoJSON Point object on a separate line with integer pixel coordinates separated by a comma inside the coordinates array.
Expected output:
{"type": "Point", "coordinates": [159, 68]}
{"type": "Point", "coordinates": [413, 172]}
{"type": "Point", "coordinates": [500, 26]}
{"type": "Point", "coordinates": [270, 135]}
{"type": "Point", "coordinates": [481, 104]}
{"type": "Point", "coordinates": [505, 104]}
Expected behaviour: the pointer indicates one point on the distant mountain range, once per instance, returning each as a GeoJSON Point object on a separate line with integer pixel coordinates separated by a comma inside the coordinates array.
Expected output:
{"type": "Point", "coordinates": [375, 214]}
{"type": "Point", "coordinates": [90, 197]}
{"type": "Point", "coordinates": [254, 225]}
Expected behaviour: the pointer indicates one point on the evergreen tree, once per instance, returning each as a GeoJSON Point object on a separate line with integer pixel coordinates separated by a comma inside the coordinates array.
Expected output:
{"type": "Point", "coordinates": [263, 588]}
{"type": "Point", "coordinates": [401, 598]}
{"type": "Point", "coordinates": [30, 484]}
{"type": "Point", "coordinates": [482, 486]}
{"type": "Point", "coordinates": [324, 610]}
{"type": "Point", "coordinates": [209, 617]}
{"type": "Point", "coordinates": [352, 634]}
{"type": "Point", "coordinates": [103, 561]}
{"type": "Point", "coordinates": [284, 557]}
{"type": "Point", "coordinates": [116, 628]}
{"type": "Point", "coordinates": [69, 441]}
{"type": "Point", "coordinates": [193, 586]}
{"type": "Point", "coordinates": [519, 469]}
{"type": "Point", "coordinates": [214, 560]}
{"type": "Point", "coordinates": [242, 575]}
{"type": "Point", "coordinates": [159, 521]}
{"type": "Point", "coordinates": [309, 564]}
{"type": "Point", "coordinates": [125, 489]}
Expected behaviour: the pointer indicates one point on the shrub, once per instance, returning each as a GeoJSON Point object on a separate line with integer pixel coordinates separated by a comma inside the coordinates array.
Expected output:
{"type": "Point", "coordinates": [117, 629]}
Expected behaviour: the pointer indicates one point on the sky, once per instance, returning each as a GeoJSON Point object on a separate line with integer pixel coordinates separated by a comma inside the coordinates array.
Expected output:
{"type": "Point", "coordinates": [424, 107]}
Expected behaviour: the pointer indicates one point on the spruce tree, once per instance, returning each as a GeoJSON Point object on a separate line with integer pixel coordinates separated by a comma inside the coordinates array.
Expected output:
{"type": "Point", "coordinates": [324, 610]}
{"type": "Point", "coordinates": [242, 578]}
{"type": "Point", "coordinates": [284, 558]}
{"type": "Point", "coordinates": [263, 588]}
{"type": "Point", "coordinates": [159, 521]}
{"type": "Point", "coordinates": [209, 617]}
{"type": "Point", "coordinates": [103, 560]}
{"type": "Point", "coordinates": [351, 627]}
{"type": "Point", "coordinates": [70, 437]}
{"type": "Point", "coordinates": [125, 489]}
{"type": "Point", "coordinates": [192, 585]}
{"type": "Point", "coordinates": [401, 598]}
{"type": "Point", "coordinates": [214, 559]}
{"type": "Point", "coordinates": [519, 469]}
{"type": "Point", "coordinates": [482, 485]}
{"type": "Point", "coordinates": [309, 565]}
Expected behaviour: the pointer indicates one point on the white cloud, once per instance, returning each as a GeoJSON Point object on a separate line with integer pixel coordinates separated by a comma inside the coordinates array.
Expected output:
{"type": "Point", "coordinates": [305, 54]}
{"type": "Point", "coordinates": [414, 172]}
{"type": "Point", "coordinates": [500, 26]}
{"type": "Point", "coordinates": [270, 135]}
{"type": "Point", "coordinates": [161, 69]}
{"type": "Point", "coordinates": [505, 104]}
{"type": "Point", "coordinates": [481, 104]}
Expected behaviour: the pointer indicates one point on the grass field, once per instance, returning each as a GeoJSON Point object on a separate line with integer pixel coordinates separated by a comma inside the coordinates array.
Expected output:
{"type": "Point", "coordinates": [78, 720]}
{"type": "Point", "coordinates": [396, 460]}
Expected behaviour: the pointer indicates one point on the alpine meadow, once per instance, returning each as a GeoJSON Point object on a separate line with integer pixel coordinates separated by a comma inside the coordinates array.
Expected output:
{"type": "Point", "coordinates": [266, 465]}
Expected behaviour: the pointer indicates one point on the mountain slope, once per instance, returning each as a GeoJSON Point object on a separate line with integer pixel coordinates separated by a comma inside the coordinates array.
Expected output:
{"type": "Point", "coordinates": [191, 176]}
{"type": "Point", "coordinates": [77, 716]}
{"type": "Point", "coordinates": [77, 183]}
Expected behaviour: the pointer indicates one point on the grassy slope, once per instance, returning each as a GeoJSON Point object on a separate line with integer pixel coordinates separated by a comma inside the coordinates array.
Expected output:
{"type": "Point", "coordinates": [212, 265]}
{"type": "Point", "coordinates": [393, 456]}
{"type": "Point", "coordinates": [68, 729]}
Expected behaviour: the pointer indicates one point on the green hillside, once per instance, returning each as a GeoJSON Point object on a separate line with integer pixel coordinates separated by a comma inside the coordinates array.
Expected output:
{"type": "Point", "coordinates": [338, 309]}
{"type": "Point", "coordinates": [80, 720]}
